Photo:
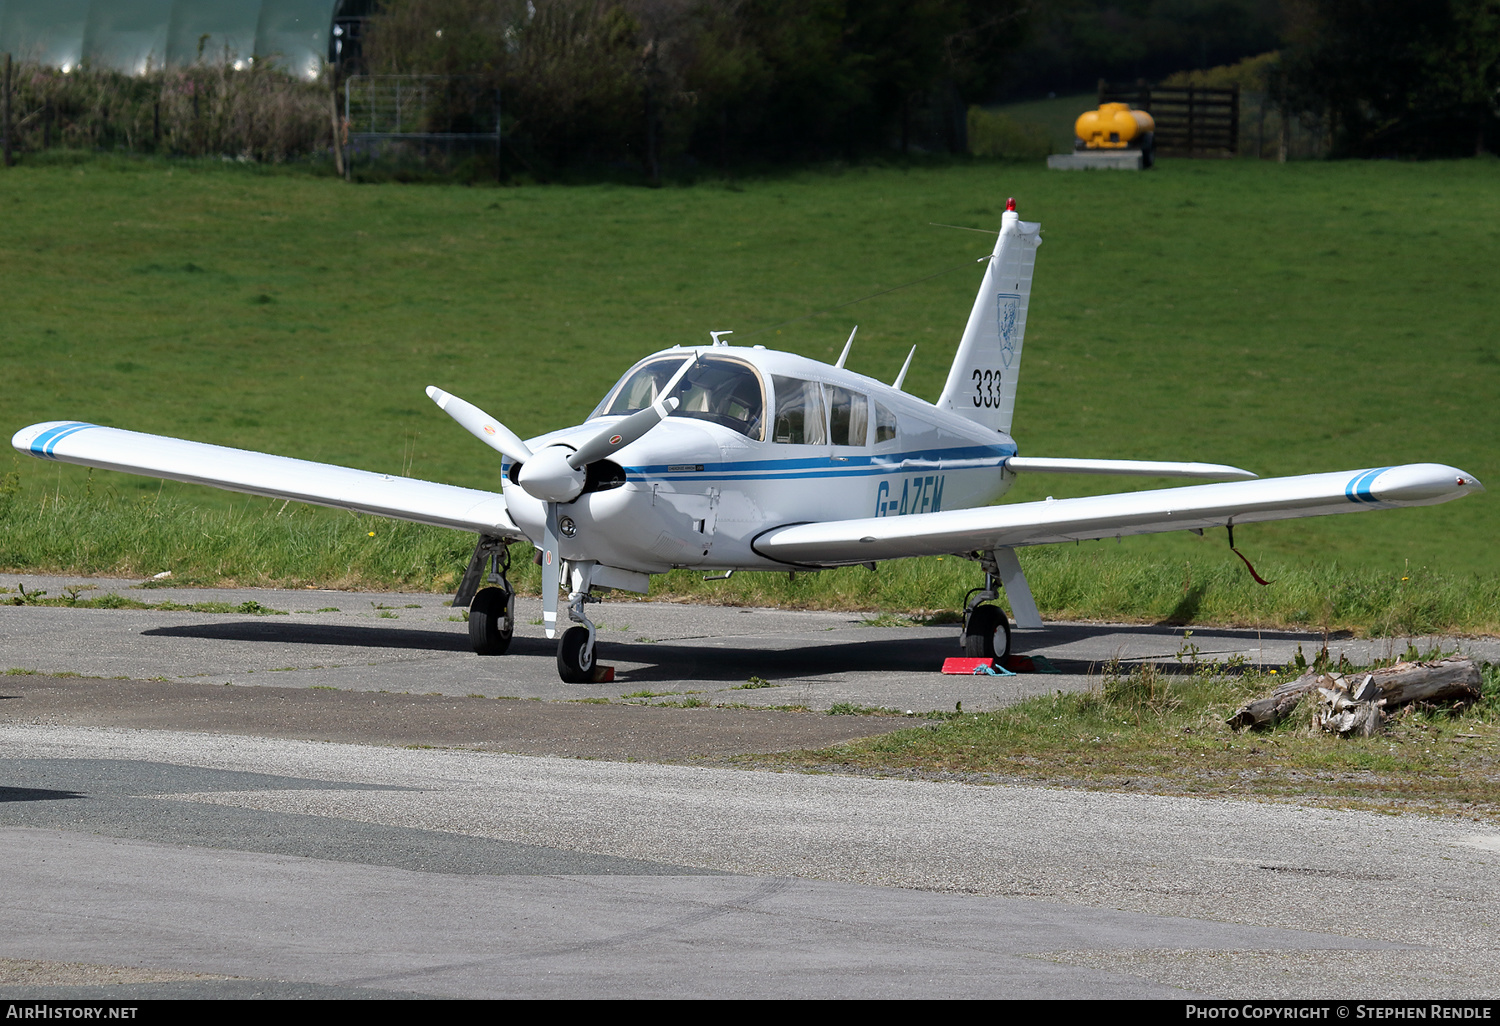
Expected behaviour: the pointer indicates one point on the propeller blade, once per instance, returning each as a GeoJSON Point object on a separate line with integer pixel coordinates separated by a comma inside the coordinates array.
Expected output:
{"type": "Point", "coordinates": [634, 426]}
{"type": "Point", "coordinates": [550, 572]}
{"type": "Point", "coordinates": [480, 424]}
{"type": "Point", "coordinates": [617, 436]}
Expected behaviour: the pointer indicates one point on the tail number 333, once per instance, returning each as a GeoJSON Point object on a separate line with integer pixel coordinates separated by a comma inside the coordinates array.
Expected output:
{"type": "Point", "coordinates": [987, 388]}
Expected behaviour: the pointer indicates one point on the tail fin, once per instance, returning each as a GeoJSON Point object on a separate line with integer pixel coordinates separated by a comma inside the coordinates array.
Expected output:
{"type": "Point", "coordinates": [982, 382]}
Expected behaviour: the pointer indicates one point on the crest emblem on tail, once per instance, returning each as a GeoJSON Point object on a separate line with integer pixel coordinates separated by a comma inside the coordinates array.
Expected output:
{"type": "Point", "coordinates": [1007, 312]}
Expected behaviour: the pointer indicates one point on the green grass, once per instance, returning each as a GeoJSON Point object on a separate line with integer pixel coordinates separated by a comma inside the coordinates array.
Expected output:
{"type": "Point", "coordinates": [1288, 318]}
{"type": "Point", "coordinates": [73, 598]}
{"type": "Point", "coordinates": [1165, 733]}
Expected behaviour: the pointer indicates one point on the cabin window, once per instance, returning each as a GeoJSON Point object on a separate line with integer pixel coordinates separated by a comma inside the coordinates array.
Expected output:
{"type": "Point", "coordinates": [725, 392]}
{"type": "Point", "coordinates": [885, 424]}
{"type": "Point", "coordinates": [848, 417]}
{"type": "Point", "coordinates": [801, 416]}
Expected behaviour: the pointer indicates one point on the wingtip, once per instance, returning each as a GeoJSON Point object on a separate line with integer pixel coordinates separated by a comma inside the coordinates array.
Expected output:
{"type": "Point", "coordinates": [438, 396]}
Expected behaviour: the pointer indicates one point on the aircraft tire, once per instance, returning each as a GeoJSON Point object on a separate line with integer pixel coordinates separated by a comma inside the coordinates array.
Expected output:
{"type": "Point", "coordinates": [988, 634]}
{"type": "Point", "coordinates": [490, 626]}
{"type": "Point", "coordinates": [575, 656]}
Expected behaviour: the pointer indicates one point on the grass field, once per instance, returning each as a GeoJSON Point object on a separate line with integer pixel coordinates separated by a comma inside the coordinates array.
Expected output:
{"type": "Point", "coordinates": [1287, 318]}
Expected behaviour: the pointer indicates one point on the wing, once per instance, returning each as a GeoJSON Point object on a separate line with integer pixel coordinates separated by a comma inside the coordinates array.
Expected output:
{"type": "Point", "coordinates": [278, 477]}
{"type": "Point", "coordinates": [1109, 516]}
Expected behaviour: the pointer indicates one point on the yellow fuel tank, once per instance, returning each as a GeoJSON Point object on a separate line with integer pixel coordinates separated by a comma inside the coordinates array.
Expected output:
{"type": "Point", "coordinates": [1114, 126]}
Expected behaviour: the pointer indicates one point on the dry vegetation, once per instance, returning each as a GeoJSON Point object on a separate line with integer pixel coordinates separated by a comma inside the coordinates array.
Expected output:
{"type": "Point", "coordinates": [1150, 730]}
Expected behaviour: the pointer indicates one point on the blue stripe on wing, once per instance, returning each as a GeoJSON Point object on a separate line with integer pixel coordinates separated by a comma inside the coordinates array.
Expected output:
{"type": "Point", "coordinates": [44, 443]}
{"type": "Point", "coordinates": [1358, 489]}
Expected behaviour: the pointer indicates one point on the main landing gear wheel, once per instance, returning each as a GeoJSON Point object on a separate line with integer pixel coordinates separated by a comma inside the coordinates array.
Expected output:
{"type": "Point", "coordinates": [575, 656]}
{"type": "Point", "coordinates": [490, 624]}
{"type": "Point", "coordinates": [987, 634]}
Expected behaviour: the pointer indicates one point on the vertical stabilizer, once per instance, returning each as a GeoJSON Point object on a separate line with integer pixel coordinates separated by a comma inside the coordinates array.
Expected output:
{"type": "Point", "coordinates": [982, 383]}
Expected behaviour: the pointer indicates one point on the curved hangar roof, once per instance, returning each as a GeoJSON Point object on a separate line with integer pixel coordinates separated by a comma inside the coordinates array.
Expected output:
{"type": "Point", "coordinates": [135, 35]}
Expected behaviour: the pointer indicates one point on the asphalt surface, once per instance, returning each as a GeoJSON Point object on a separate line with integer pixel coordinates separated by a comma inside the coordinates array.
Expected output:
{"type": "Point", "coordinates": [174, 837]}
{"type": "Point", "coordinates": [679, 653]}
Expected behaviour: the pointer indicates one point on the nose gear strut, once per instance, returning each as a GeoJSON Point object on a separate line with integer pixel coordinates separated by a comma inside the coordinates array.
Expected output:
{"type": "Point", "coordinates": [576, 648]}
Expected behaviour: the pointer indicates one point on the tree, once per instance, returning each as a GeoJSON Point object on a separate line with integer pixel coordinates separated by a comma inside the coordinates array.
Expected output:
{"type": "Point", "coordinates": [590, 81]}
{"type": "Point", "coordinates": [1399, 77]}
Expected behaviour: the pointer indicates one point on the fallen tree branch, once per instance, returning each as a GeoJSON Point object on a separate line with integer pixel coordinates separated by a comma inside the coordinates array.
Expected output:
{"type": "Point", "coordinates": [1265, 713]}
{"type": "Point", "coordinates": [1443, 680]}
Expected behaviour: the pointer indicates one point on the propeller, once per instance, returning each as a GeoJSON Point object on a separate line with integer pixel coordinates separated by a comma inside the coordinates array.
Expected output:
{"type": "Point", "coordinates": [622, 434]}
{"type": "Point", "coordinates": [557, 473]}
{"type": "Point", "coordinates": [481, 425]}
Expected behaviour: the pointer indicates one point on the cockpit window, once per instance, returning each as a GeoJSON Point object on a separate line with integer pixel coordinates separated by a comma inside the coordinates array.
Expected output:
{"type": "Point", "coordinates": [725, 392]}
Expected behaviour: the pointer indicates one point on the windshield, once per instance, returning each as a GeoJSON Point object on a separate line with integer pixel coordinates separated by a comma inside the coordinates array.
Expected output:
{"type": "Point", "coordinates": [725, 392]}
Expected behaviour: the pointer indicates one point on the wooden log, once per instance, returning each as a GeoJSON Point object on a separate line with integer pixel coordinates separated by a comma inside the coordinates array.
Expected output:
{"type": "Point", "coordinates": [1265, 713]}
{"type": "Point", "coordinates": [1444, 680]}
{"type": "Point", "coordinates": [1339, 712]}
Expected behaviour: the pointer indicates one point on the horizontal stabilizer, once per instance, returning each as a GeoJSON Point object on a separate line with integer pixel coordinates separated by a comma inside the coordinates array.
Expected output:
{"type": "Point", "coordinates": [278, 477]}
{"type": "Point", "coordinates": [1145, 468]}
{"type": "Point", "coordinates": [1109, 516]}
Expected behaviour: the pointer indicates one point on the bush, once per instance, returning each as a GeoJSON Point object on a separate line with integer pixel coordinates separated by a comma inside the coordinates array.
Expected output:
{"type": "Point", "coordinates": [254, 112]}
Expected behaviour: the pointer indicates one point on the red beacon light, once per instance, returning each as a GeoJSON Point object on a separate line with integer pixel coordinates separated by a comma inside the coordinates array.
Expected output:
{"type": "Point", "coordinates": [1010, 205]}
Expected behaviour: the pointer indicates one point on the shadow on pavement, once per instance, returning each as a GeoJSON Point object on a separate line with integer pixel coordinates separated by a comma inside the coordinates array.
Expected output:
{"type": "Point", "coordinates": [731, 660]}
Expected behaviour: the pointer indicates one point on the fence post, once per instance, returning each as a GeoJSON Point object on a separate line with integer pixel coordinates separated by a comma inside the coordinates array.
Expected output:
{"type": "Point", "coordinates": [1234, 121]}
{"type": "Point", "coordinates": [348, 157]}
{"type": "Point", "coordinates": [6, 115]}
{"type": "Point", "coordinates": [333, 110]}
{"type": "Point", "coordinates": [1192, 119]}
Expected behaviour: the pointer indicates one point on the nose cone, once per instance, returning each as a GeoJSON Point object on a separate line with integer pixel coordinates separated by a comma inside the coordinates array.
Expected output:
{"type": "Point", "coordinates": [547, 475]}
{"type": "Point", "coordinates": [1421, 484]}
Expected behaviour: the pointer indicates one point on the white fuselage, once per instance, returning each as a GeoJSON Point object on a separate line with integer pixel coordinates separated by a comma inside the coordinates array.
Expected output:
{"type": "Point", "coordinates": [697, 493]}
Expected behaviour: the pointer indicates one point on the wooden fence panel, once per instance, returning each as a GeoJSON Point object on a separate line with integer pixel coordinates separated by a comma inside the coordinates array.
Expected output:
{"type": "Point", "coordinates": [1190, 121]}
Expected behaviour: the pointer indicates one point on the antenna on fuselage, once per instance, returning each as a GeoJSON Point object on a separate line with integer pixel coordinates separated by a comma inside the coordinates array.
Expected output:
{"type": "Point", "coordinates": [904, 368]}
{"type": "Point", "coordinates": [715, 336]}
{"type": "Point", "coordinates": [847, 346]}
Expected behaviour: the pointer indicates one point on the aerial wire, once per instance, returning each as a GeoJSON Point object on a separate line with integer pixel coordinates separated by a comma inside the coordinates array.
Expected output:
{"type": "Point", "coordinates": [861, 299]}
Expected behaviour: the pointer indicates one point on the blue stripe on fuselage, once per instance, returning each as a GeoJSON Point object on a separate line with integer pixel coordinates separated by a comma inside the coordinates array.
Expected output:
{"type": "Point", "coordinates": [978, 456]}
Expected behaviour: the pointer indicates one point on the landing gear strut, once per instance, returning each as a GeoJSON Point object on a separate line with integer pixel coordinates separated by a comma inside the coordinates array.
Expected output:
{"type": "Point", "coordinates": [986, 631]}
{"type": "Point", "coordinates": [492, 610]}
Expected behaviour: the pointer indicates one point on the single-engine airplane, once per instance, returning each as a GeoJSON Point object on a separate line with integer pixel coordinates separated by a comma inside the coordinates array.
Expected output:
{"type": "Point", "coordinates": [734, 458]}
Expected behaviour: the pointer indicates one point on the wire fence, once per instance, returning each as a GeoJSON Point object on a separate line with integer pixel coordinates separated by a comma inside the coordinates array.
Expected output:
{"type": "Point", "coordinates": [431, 120]}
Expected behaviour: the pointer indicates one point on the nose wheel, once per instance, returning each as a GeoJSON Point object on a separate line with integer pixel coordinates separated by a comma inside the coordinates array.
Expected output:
{"type": "Point", "coordinates": [576, 649]}
{"type": "Point", "coordinates": [575, 656]}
